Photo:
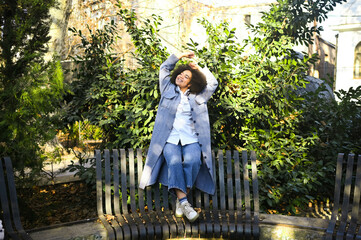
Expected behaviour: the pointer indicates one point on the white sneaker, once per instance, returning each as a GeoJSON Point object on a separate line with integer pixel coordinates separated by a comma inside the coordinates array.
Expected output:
{"type": "Point", "coordinates": [178, 210]}
{"type": "Point", "coordinates": [190, 213]}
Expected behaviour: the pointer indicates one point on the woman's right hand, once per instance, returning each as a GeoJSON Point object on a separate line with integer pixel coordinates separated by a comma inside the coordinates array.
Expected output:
{"type": "Point", "coordinates": [194, 65]}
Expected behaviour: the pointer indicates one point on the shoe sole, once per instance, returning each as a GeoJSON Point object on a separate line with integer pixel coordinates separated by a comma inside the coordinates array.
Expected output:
{"type": "Point", "coordinates": [194, 219]}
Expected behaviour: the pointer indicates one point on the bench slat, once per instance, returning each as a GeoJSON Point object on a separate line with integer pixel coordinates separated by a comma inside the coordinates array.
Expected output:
{"type": "Point", "coordinates": [132, 186]}
{"type": "Point", "coordinates": [5, 205]}
{"type": "Point", "coordinates": [336, 198]}
{"type": "Point", "coordinates": [356, 203]}
{"type": "Point", "coordinates": [229, 181]}
{"type": "Point", "coordinates": [131, 174]}
{"type": "Point", "coordinates": [222, 190]}
{"type": "Point", "coordinates": [165, 198]}
{"type": "Point", "coordinates": [123, 181]}
{"type": "Point", "coordinates": [255, 225]}
{"type": "Point", "coordinates": [153, 215]}
{"type": "Point", "coordinates": [174, 228]}
{"type": "Point", "coordinates": [14, 199]}
{"type": "Point", "coordinates": [247, 195]}
{"type": "Point", "coordinates": [140, 171]}
{"type": "Point", "coordinates": [119, 225]}
{"type": "Point", "coordinates": [157, 198]}
{"type": "Point", "coordinates": [124, 229]}
{"type": "Point", "coordinates": [148, 221]}
{"type": "Point", "coordinates": [230, 196]}
{"type": "Point", "coordinates": [237, 175]}
{"type": "Point", "coordinates": [99, 188]}
{"type": "Point", "coordinates": [206, 216]}
{"type": "Point", "coordinates": [116, 197]}
{"type": "Point", "coordinates": [159, 214]}
{"type": "Point", "coordinates": [158, 209]}
{"type": "Point", "coordinates": [150, 226]}
{"type": "Point", "coordinates": [165, 226]}
{"type": "Point", "coordinates": [133, 219]}
{"type": "Point", "coordinates": [108, 194]}
{"type": "Point", "coordinates": [208, 223]}
{"type": "Point", "coordinates": [214, 212]}
{"type": "Point", "coordinates": [200, 228]}
{"type": "Point", "coordinates": [149, 197]}
{"type": "Point", "coordinates": [346, 198]}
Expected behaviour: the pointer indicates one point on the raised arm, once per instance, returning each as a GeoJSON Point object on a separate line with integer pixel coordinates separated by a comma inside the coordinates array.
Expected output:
{"type": "Point", "coordinates": [211, 86]}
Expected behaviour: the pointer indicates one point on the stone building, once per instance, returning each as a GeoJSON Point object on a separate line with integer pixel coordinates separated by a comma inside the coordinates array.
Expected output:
{"type": "Point", "coordinates": [325, 67]}
{"type": "Point", "coordinates": [180, 19]}
{"type": "Point", "coordinates": [348, 26]}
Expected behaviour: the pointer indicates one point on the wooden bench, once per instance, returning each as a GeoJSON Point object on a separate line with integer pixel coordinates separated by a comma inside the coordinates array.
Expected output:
{"type": "Point", "coordinates": [2, 234]}
{"type": "Point", "coordinates": [344, 223]}
{"type": "Point", "coordinates": [128, 212]}
{"type": "Point", "coordinates": [9, 202]}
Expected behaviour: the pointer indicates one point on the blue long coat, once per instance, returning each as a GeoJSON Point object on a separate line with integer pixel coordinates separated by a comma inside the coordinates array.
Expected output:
{"type": "Point", "coordinates": [155, 168]}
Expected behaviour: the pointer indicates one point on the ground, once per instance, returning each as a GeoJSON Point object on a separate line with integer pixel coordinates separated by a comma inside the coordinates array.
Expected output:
{"type": "Point", "coordinates": [42, 206]}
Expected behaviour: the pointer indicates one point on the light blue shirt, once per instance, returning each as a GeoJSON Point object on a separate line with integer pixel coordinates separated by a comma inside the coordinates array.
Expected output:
{"type": "Point", "coordinates": [183, 127]}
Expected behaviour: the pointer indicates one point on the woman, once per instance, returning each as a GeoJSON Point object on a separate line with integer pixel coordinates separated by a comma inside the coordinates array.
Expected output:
{"type": "Point", "coordinates": [179, 154]}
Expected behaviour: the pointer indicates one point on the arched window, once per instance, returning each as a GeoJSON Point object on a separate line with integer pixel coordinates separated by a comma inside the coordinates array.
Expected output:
{"type": "Point", "coordinates": [357, 64]}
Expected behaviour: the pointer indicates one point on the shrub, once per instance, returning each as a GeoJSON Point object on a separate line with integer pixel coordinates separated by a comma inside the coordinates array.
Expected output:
{"type": "Point", "coordinates": [31, 88]}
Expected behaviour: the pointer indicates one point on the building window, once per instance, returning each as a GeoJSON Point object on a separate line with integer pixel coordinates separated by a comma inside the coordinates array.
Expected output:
{"type": "Point", "coordinates": [247, 19]}
{"type": "Point", "coordinates": [357, 64]}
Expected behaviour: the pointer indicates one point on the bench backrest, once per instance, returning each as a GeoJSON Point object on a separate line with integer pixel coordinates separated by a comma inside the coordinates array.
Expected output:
{"type": "Point", "coordinates": [9, 201]}
{"type": "Point", "coordinates": [348, 182]}
{"type": "Point", "coordinates": [235, 177]}
{"type": "Point", "coordinates": [2, 235]}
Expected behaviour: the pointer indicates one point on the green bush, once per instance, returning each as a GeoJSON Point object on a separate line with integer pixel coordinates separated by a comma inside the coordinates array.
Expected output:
{"type": "Point", "coordinates": [31, 88]}
{"type": "Point", "coordinates": [122, 102]}
{"type": "Point", "coordinates": [337, 125]}
{"type": "Point", "coordinates": [96, 90]}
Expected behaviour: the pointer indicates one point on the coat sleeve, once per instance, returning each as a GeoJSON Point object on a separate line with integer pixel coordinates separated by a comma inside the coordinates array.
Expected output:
{"type": "Point", "coordinates": [164, 72]}
{"type": "Point", "coordinates": [211, 86]}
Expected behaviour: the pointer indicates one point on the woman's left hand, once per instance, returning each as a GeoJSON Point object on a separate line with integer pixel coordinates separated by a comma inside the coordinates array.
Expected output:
{"type": "Point", "coordinates": [189, 54]}
{"type": "Point", "coordinates": [194, 65]}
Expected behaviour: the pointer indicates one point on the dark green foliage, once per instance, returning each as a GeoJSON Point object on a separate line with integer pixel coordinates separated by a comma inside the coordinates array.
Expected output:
{"type": "Point", "coordinates": [30, 88]}
{"type": "Point", "coordinates": [123, 102]}
{"type": "Point", "coordinates": [295, 19]}
{"type": "Point", "coordinates": [84, 168]}
{"type": "Point", "coordinates": [141, 84]}
{"type": "Point", "coordinates": [337, 124]}
{"type": "Point", "coordinates": [97, 84]}
{"type": "Point", "coordinates": [255, 107]}
{"type": "Point", "coordinates": [273, 113]}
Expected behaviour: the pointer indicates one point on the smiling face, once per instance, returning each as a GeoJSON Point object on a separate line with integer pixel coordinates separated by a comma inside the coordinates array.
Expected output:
{"type": "Point", "coordinates": [183, 80]}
